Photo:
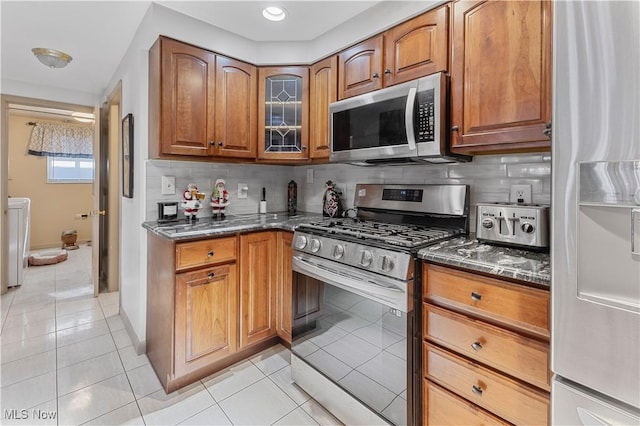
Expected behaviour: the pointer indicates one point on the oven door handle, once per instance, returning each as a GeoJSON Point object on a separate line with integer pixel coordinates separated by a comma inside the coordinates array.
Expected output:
{"type": "Point", "coordinates": [362, 284]}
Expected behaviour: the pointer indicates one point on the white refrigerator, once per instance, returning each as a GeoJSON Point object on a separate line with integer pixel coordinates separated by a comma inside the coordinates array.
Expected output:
{"type": "Point", "coordinates": [595, 234]}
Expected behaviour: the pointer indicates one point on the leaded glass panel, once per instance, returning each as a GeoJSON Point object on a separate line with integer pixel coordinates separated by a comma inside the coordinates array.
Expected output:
{"type": "Point", "coordinates": [283, 114]}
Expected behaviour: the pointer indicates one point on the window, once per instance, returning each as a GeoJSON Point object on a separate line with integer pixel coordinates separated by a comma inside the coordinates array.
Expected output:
{"type": "Point", "coordinates": [69, 170]}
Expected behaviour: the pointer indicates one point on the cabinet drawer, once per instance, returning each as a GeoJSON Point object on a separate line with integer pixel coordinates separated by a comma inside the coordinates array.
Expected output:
{"type": "Point", "coordinates": [442, 408]}
{"type": "Point", "coordinates": [515, 306]}
{"type": "Point", "coordinates": [498, 394]}
{"type": "Point", "coordinates": [521, 357]}
{"type": "Point", "coordinates": [204, 253]}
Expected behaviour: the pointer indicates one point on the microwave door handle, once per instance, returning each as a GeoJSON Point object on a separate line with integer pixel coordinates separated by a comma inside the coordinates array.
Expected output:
{"type": "Point", "coordinates": [408, 118]}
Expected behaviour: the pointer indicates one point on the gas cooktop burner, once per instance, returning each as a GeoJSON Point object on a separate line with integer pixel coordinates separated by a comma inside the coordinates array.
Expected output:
{"type": "Point", "coordinates": [396, 234]}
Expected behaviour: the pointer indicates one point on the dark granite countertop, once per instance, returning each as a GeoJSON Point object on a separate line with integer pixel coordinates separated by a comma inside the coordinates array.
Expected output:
{"type": "Point", "coordinates": [209, 227]}
{"type": "Point", "coordinates": [468, 253]}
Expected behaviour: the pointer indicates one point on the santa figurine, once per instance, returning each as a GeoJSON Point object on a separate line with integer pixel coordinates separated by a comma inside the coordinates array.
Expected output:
{"type": "Point", "coordinates": [219, 199]}
{"type": "Point", "coordinates": [191, 201]}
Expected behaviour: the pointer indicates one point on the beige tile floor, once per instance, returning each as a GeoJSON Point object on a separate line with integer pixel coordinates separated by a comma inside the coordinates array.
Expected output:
{"type": "Point", "coordinates": [66, 359]}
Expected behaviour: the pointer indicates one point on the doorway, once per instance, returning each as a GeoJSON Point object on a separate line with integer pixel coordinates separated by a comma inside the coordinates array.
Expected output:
{"type": "Point", "coordinates": [40, 110]}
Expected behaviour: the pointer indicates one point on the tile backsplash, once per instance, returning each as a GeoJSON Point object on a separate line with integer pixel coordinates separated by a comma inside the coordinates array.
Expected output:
{"type": "Point", "coordinates": [490, 178]}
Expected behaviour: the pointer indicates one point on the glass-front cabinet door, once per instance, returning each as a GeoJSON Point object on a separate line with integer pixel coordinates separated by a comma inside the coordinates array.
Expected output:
{"type": "Point", "coordinates": [283, 113]}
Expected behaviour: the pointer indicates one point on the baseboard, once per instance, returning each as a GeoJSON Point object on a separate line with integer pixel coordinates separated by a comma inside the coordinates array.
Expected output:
{"type": "Point", "coordinates": [139, 346]}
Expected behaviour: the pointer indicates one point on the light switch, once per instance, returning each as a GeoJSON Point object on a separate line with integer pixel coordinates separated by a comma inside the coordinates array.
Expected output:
{"type": "Point", "coordinates": [168, 185]}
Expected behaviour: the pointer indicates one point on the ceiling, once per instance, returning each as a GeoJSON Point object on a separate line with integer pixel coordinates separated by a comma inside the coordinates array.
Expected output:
{"type": "Point", "coordinates": [97, 33]}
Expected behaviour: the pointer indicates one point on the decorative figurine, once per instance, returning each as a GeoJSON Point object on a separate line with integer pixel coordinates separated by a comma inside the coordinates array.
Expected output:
{"type": "Point", "coordinates": [192, 201]}
{"type": "Point", "coordinates": [219, 199]}
{"type": "Point", "coordinates": [292, 198]}
{"type": "Point", "coordinates": [331, 203]}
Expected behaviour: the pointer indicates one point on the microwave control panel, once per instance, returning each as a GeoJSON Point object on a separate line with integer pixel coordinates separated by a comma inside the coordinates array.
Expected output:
{"type": "Point", "coordinates": [425, 116]}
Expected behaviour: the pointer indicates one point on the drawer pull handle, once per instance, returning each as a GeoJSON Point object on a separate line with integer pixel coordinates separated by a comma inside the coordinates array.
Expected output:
{"type": "Point", "coordinates": [211, 275]}
{"type": "Point", "coordinates": [210, 254]}
{"type": "Point", "coordinates": [475, 296]}
{"type": "Point", "coordinates": [477, 390]}
{"type": "Point", "coordinates": [476, 346]}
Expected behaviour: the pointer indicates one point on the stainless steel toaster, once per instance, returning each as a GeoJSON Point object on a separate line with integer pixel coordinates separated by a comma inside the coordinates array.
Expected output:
{"type": "Point", "coordinates": [518, 225]}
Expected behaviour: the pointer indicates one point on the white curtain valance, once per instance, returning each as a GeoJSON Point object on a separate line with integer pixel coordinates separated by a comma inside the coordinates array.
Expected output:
{"type": "Point", "coordinates": [61, 140]}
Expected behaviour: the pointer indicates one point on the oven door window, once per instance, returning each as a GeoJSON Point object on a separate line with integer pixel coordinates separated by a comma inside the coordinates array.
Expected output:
{"type": "Point", "coordinates": [359, 344]}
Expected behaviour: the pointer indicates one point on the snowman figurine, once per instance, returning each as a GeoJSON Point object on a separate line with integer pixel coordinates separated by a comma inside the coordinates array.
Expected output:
{"type": "Point", "coordinates": [191, 201]}
{"type": "Point", "coordinates": [219, 199]}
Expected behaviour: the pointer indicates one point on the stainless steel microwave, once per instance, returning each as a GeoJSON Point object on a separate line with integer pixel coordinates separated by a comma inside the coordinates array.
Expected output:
{"type": "Point", "coordinates": [399, 124]}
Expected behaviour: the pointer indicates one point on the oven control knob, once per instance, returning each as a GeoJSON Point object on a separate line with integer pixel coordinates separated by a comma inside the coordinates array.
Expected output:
{"type": "Point", "coordinates": [301, 242]}
{"type": "Point", "coordinates": [386, 263]}
{"type": "Point", "coordinates": [487, 223]}
{"type": "Point", "coordinates": [338, 251]}
{"type": "Point", "coordinates": [315, 245]}
{"type": "Point", "coordinates": [366, 258]}
{"type": "Point", "coordinates": [527, 228]}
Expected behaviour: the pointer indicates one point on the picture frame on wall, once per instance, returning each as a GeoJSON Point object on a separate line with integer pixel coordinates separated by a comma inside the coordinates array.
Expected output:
{"type": "Point", "coordinates": [127, 156]}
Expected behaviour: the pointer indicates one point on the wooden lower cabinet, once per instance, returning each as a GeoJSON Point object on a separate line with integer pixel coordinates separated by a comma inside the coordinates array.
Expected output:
{"type": "Point", "coordinates": [448, 409]}
{"type": "Point", "coordinates": [257, 287]}
{"type": "Point", "coordinates": [284, 298]}
{"type": "Point", "coordinates": [202, 315]}
{"type": "Point", "coordinates": [485, 350]}
{"type": "Point", "coordinates": [206, 312]}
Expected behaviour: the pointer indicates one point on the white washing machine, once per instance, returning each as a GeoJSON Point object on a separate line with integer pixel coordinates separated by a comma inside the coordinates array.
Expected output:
{"type": "Point", "coordinates": [18, 227]}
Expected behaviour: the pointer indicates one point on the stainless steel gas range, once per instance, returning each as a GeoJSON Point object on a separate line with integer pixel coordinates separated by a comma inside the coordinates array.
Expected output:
{"type": "Point", "coordinates": [356, 300]}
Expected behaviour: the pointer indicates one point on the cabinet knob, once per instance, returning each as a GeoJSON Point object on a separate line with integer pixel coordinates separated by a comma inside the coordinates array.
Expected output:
{"type": "Point", "coordinates": [211, 275]}
{"type": "Point", "coordinates": [220, 143]}
{"type": "Point", "coordinates": [375, 75]}
{"type": "Point", "coordinates": [454, 128]}
{"type": "Point", "coordinates": [476, 346]}
{"type": "Point", "coordinates": [387, 71]}
{"type": "Point", "coordinates": [212, 143]}
{"type": "Point", "coordinates": [210, 254]}
{"type": "Point", "coordinates": [477, 390]}
{"type": "Point", "coordinates": [303, 148]}
{"type": "Point", "coordinates": [476, 296]}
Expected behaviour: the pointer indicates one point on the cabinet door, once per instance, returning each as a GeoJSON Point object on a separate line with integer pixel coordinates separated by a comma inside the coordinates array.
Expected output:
{"type": "Point", "coordinates": [283, 107]}
{"type": "Point", "coordinates": [500, 76]}
{"type": "Point", "coordinates": [187, 100]}
{"type": "Point", "coordinates": [205, 317]}
{"type": "Point", "coordinates": [236, 109]}
{"type": "Point", "coordinates": [417, 47]}
{"type": "Point", "coordinates": [323, 88]}
{"type": "Point", "coordinates": [360, 68]}
{"type": "Point", "coordinates": [283, 319]}
{"type": "Point", "coordinates": [257, 287]}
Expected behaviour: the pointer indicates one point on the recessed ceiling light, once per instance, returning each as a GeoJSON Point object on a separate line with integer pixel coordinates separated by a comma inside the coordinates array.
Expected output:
{"type": "Point", "coordinates": [273, 13]}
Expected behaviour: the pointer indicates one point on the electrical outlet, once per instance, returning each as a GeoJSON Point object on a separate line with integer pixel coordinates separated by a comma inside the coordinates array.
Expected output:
{"type": "Point", "coordinates": [243, 190]}
{"type": "Point", "coordinates": [520, 194]}
{"type": "Point", "coordinates": [309, 175]}
{"type": "Point", "coordinates": [168, 185]}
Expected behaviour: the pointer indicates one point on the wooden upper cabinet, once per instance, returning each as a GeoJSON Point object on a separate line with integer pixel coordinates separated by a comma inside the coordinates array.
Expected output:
{"type": "Point", "coordinates": [323, 89]}
{"type": "Point", "coordinates": [413, 49]}
{"type": "Point", "coordinates": [417, 47]}
{"type": "Point", "coordinates": [500, 76]}
{"type": "Point", "coordinates": [186, 80]}
{"type": "Point", "coordinates": [283, 113]}
{"type": "Point", "coordinates": [200, 104]}
{"type": "Point", "coordinates": [236, 109]}
{"type": "Point", "coordinates": [360, 68]}
{"type": "Point", "coordinates": [257, 287]}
